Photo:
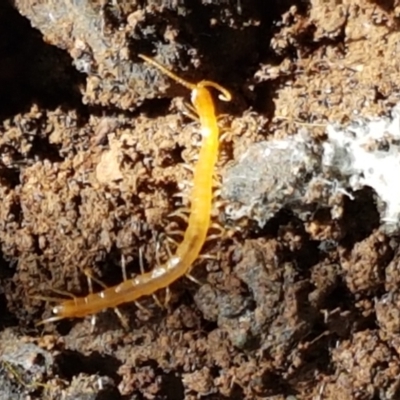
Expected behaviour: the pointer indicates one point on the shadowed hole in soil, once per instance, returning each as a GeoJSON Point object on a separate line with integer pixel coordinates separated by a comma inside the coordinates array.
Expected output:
{"type": "Point", "coordinates": [272, 384]}
{"type": "Point", "coordinates": [156, 107]}
{"type": "Point", "coordinates": [7, 270]}
{"type": "Point", "coordinates": [387, 5]}
{"type": "Point", "coordinates": [36, 246]}
{"type": "Point", "coordinates": [44, 150]}
{"type": "Point", "coordinates": [71, 363]}
{"type": "Point", "coordinates": [305, 255]}
{"type": "Point", "coordinates": [109, 393]}
{"type": "Point", "coordinates": [30, 69]}
{"type": "Point", "coordinates": [9, 176]}
{"type": "Point", "coordinates": [360, 218]}
{"type": "Point", "coordinates": [285, 222]}
{"type": "Point", "coordinates": [174, 157]}
{"type": "Point", "coordinates": [236, 392]}
{"type": "Point", "coordinates": [112, 270]}
{"type": "Point", "coordinates": [342, 316]}
{"type": "Point", "coordinates": [271, 228]}
{"type": "Point", "coordinates": [226, 47]}
{"type": "Point", "coordinates": [263, 99]}
{"type": "Point", "coordinates": [172, 387]}
{"type": "Point", "coordinates": [6, 318]}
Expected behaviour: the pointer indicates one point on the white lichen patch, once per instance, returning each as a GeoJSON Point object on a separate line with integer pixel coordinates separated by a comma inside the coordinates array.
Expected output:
{"type": "Point", "coordinates": [368, 153]}
{"type": "Point", "coordinates": [302, 175]}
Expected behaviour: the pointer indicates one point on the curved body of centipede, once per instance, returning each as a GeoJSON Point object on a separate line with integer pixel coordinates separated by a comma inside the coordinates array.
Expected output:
{"type": "Point", "coordinates": [195, 235]}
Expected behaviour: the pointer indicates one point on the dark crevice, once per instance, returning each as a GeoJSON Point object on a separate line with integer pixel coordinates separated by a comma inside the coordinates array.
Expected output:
{"type": "Point", "coordinates": [172, 387]}
{"type": "Point", "coordinates": [42, 149]}
{"type": "Point", "coordinates": [9, 176]}
{"type": "Point", "coordinates": [32, 71]}
{"type": "Point", "coordinates": [71, 363]}
{"type": "Point", "coordinates": [361, 217]}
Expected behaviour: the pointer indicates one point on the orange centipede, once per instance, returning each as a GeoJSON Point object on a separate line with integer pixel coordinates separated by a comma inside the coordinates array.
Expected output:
{"type": "Point", "coordinates": [180, 263]}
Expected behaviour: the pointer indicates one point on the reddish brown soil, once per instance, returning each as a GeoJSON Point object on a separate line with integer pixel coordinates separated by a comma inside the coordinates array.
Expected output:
{"type": "Point", "coordinates": [93, 148]}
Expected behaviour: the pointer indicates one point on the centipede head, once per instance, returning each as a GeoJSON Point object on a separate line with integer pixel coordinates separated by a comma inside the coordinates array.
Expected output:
{"type": "Point", "coordinates": [54, 318]}
{"type": "Point", "coordinates": [60, 312]}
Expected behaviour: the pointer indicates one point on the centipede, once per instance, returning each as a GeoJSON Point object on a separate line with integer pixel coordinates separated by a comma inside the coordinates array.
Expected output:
{"type": "Point", "coordinates": [180, 262]}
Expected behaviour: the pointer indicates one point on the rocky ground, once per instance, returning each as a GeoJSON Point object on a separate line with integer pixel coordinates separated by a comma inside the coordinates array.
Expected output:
{"type": "Point", "coordinates": [94, 145]}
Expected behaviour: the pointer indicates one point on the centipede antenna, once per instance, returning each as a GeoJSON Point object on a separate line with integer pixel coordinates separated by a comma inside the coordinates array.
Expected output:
{"type": "Point", "coordinates": [176, 78]}
{"type": "Point", "coordinates": [225, 94]}
{"type": "Point", "coordinates": [47, 298]}
{"type": "Point", "coordinates": [51, 319]}
{"type": "Point", "coordinates": [63, 293]}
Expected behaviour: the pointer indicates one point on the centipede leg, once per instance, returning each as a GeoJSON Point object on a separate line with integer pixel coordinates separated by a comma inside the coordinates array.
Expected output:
{"type": "Point", "coordinates": [220, 234]}
{"type": "Point", "coordinates": [167, 298]}
{"type": "Point", "coordinates": [172, 232]}
{"type": "Point", "coordinates": [213, 237]}
{"type": "Point", "coordinates": [121, 318]}
{"type": "Point", "coordinates": [208, 257]}
{"type": "Point", "coordinates": [204, 256]}
{"type": "Point", "coordinates": [91, 278]}
{"type": "Point", "coordinates": [123, 268]}
{"type": "Point", "coordinates": [90, 286]}
{"type": "Point", "coordinates": [185, 183]}
{"type": "Point", "coordinates": [223, 137]}
{"type": "Point", "coordinates": [218, 227]}
{"type": "Point", "coordinates": [181, 195]}
{"type": "Point", "coordinates": [190, 111]}
{"type": "Point", "coordinates": [171, 239]}
{"type": "Point", "coordinates": [181, 213]}
{"type": "Point", "coordinates": [196, 143]}
{"type": "Point", "coordinates": [190, 158]}
{"type": "Point", "coordinates": [141, 308]}
{"type": "Point", "coordinates": [217, 184]}
{"type": "Point", "coordinates": [93, 320]}
{"type": "Point", "coordinates": [142, 271]}
{"type": "Point", "coordinates": [158, 260]}
{"type": "Point", "coordinates": [189, 168]}
{"type": "Point", "coordinates": [193, 279]}
{"type": "Point", "coordinates": [184, 196]}
{"type": "Point", "coordinates": [157, 301]}
{"type": "Point", "coordinates": [218, 204]}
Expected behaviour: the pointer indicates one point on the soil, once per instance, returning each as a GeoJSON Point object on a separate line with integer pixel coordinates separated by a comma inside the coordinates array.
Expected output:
{"type": "Point", "coordinates": [94, 147]}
